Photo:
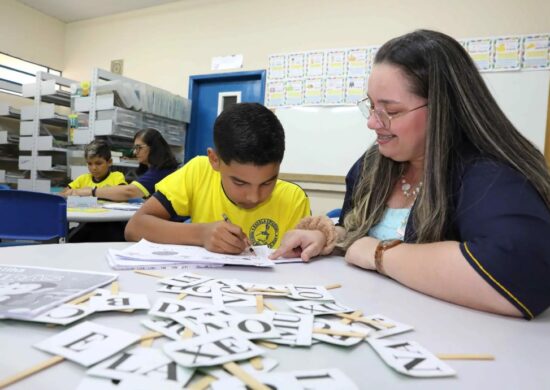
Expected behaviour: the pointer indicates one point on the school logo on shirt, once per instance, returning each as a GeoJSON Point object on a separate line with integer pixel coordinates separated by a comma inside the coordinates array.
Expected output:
{"type": "Point", "coordinates": [264, 232]}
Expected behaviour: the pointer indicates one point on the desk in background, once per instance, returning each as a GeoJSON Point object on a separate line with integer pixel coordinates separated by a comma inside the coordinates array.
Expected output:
{"type": "Point", "coordinates": [99, 215]}
{"type": "Point", "coordinates": [519, 346]}
{"type": "Point", "coordinates": [100, 223]}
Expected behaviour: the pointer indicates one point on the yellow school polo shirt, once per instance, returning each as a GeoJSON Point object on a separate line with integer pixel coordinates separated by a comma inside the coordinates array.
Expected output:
{"type": "Point", "coordinates": [87, 180]}
{"type": "Point", "coordinates": [195, 190]}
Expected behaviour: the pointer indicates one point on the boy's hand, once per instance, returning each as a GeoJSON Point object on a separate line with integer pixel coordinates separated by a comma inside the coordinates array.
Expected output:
{"type": "Point", "coordinates": [224, 237]}
{"type": "Point", "coordinates": [300, 243]}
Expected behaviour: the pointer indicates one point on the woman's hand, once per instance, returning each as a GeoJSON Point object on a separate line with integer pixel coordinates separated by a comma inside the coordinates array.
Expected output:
{"type": "Point", "coordinates": [300, 243]}
{"type": "Point", "coordinates": [361, 253]}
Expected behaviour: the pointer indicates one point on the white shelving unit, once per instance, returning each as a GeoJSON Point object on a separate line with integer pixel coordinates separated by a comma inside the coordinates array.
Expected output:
{"type": "Point", "coordinates": [9, 137]}
{"type": "Point", "coordinates": [48, 94]}
{"type": "Point", "coordinates": [118, 107]}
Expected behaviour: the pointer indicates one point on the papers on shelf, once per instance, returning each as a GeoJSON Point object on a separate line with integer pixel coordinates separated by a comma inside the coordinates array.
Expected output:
{"type": "Point", "coordinates": [146, 254]}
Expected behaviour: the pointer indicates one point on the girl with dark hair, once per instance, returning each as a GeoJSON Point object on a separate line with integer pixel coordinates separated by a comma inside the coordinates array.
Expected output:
{"type": "Point", "coordinates": [451, 200]}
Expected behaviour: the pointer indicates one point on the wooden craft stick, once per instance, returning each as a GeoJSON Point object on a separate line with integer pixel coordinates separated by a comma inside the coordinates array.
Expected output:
{"type": "Point", "coordinates": [257, 363]}
{"type": "Point", "coordinates": [366, 320]}
{"type": "Point", "coordinates": [181, 296]}
{"type": "Point", "coordinates": [147, 343]}
{"type": "Point", "coordinates": [32, 370]}
{"type": "Point", "coordinates": [115, 288]}
{"type": "Point", "coordinates": [465, 356]}
{"type": "Point", "coordinates": [244, 376]}
{"type": "Point", "coordinates": [150, 335]}
{"type": "Point", "coordinates": [259, 303]}
{"type": "Point", "coordinates": [148, 273]}
{"type": "Point", "coordinates": [267, 344]}
{"type": "Point", "coordinates": [203, 383]}
{"type": "Point", "coordinates": [82, 299]}
{"type": "Point", "coordinates": [334, 332]}
{"type": "Point", "coordinates": [355, 314]}
{"type": "Point", "coordinates": [270, 306]}
{"type": "Point", "coordinates": [187, 334]}
{"type": "Point", "coordinates": [333, 286]}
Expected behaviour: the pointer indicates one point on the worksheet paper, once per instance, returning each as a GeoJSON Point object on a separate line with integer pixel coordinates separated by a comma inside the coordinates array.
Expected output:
{"type": "Point", "coordinates": [186, 254]}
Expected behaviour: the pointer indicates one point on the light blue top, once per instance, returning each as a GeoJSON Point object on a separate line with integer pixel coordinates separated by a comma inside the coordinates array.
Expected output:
{"type": "Point", "coordinates": [392, 225]}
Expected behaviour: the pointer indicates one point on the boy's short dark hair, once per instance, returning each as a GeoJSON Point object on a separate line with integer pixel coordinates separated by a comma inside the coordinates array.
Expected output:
{"type": "Point", "coordinates": [249, 133]}
{"type": "Point", "coordinates": [98, 148]}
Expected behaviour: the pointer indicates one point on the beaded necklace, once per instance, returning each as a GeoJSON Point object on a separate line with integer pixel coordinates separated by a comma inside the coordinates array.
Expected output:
{"type": "Point", "coordinates": [407, 189]}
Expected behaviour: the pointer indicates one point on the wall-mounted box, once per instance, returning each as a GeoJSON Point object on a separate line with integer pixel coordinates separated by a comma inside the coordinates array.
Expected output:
{"type": "Point", "coordinates": [45, 142]}
{"type": "Point", "coordinates": [47, 111]}
{"type": "Point", "coordinates": [47, 87]}
{"type": "Point", "coordinates": [82, 136]}
{"type": "Point", "coordinates": [27, 127]}
{"type": "Point", "coordinates": [43, 163]}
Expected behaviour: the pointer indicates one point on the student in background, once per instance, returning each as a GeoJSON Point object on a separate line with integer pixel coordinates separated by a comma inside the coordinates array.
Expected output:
{"type": "Point", "coordinates": [451, 200]}
{"type": "Point", "coordinates": [233, 196]}
{"type": "Point", "coordinates": [98, 157]}
{"type": "Point", "coordinates": [156, 161]}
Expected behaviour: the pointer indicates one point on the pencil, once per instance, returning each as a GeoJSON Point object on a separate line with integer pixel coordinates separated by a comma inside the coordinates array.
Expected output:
{"type": "Point", "coordinates": [226, 219]}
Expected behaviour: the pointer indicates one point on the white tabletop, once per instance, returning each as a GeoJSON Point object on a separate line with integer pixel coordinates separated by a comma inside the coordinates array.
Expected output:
{"type": "Point", "coordinates": [519, 346]}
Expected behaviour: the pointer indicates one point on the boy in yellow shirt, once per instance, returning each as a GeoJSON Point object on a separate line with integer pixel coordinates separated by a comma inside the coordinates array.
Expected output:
{"type": "Point", "coordinates": [98, 156]}
{"type": "Point", "coordinates": [233, 196]}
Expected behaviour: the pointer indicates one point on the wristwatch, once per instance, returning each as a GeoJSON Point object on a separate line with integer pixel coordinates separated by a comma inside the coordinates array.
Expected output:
{"type": "Point", "coordinates": [94, 190]}
{"type": "Point", "coordinates": [379, 251]}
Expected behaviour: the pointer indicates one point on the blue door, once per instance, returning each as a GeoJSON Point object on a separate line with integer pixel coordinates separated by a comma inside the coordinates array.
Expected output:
{"type": "Point", "coordinates": [210, 94]}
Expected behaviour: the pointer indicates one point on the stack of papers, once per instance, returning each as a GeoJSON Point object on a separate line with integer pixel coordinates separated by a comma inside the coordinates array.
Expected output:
{"type": "Point", "coordinates": [146, 254]}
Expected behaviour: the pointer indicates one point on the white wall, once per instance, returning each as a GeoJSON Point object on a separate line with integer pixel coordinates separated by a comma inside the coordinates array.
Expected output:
{"type": "Point", "coordinates": [164, 45]}
{"type": "Point", "coordinates": [31, 35]}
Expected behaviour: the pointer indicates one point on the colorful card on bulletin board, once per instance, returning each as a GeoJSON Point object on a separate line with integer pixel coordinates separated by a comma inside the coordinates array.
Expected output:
{"type": "Point", "coordinates": [357, 62]}
{"type": "Point", "coordinates": [313, 91]}
{"type": "Point", "coordinates": [334, 90]}
{"type": "Point", "coordinates": [355, 89]}
{"type": "Point", "coordinates": [507, 53]}
{"type": "Point", "coordinates": [536, 52]}
{"type": "Point", "coordinates": [296, 65]}
{"type": "Point", "coordinates": [336, 62]}
{"type": "Point", "coordinates": [294, 92]}
{"type": "Point", "coordinates": [481, 51]}
{"type": "Point", "coordinates": [275, 93]}
{"type": "Point", "coordinates": [277, 67]}
{"type": "Point", "coordinates": [315, 64]}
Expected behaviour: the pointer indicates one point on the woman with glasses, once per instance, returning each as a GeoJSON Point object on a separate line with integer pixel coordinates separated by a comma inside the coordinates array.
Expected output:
{"type": "Point", "coordinates": [156, 161]}
{"type": "Point", "coordinates": [451, 200]}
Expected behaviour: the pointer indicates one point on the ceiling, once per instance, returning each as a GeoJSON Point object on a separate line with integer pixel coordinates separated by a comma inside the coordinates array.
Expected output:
{"type": "Point", "coordinates": [73, 10]}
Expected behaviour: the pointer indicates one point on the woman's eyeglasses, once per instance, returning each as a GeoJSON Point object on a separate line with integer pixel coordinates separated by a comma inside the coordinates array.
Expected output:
{"type": "Point", "coordinates": [366, 108]}
{"type": "Point", "coordinates": [136, 148]}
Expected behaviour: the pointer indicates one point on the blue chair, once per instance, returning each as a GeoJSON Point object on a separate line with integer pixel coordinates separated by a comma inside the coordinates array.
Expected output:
{"type": "Point", "coordinates": [4, 187]}
{"type": "Point", "coordinates": [334, 213]}
{"type": "Point", "coordinates": [32, 217]}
